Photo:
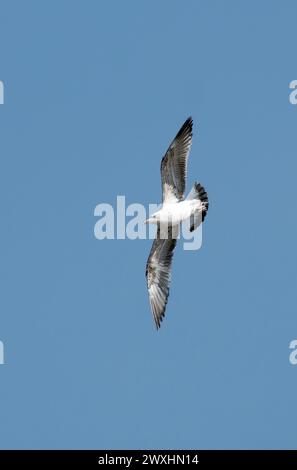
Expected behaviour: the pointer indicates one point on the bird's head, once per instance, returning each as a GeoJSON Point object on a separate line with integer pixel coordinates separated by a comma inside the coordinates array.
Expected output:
{"type": "Point", "coordinates": [151, 220]}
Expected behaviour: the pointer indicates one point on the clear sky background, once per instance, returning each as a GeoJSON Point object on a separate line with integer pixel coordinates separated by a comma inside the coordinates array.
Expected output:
{"type": "Point", "coordinates": [94, 92]}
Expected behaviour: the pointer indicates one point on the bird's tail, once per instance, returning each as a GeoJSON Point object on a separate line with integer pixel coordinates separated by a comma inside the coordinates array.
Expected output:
{"type": "Point", "coordinates": [198, 192]}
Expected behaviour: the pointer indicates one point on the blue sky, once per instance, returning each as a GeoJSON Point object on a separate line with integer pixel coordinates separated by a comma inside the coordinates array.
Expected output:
{"type": "Point", "coordinates": [94, 92]}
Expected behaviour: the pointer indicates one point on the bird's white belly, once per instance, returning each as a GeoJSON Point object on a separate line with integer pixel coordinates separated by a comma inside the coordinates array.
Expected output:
{"type": "Point", "coordinates": [175, 213]}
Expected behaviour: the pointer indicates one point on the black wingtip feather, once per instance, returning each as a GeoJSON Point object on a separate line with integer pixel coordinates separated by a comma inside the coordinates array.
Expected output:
{"type": "Point", "coordinates": [187, 127]}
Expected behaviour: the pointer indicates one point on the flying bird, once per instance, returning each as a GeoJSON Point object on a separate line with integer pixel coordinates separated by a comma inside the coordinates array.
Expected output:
{"type": "Point", "coordinates": [174, 210]}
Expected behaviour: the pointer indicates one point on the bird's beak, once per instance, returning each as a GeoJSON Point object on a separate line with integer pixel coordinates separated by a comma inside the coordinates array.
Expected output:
{"type": "Point", "coordinates": [149, 220]}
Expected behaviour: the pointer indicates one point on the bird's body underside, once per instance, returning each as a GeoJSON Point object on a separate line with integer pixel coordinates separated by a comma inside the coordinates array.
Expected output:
{"type": "Point", "coordinates": [175, 213]}
{"type": "Point", "coordinates": [175, 209]}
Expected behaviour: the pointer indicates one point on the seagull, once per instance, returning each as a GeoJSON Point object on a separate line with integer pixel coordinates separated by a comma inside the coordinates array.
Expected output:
{"type": "Point", "coordinates": [174, 210]}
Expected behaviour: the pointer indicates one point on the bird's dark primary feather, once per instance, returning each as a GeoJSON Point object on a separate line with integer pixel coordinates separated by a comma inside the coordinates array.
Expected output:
{"type": "Point", "coordinates": [174, 163]}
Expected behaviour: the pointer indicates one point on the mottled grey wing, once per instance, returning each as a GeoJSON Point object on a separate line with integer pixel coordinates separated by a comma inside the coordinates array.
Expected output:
{"type": "Point", "coordinates": [158, 274]}
{"type": "Point", "coordinates": [174, 164]}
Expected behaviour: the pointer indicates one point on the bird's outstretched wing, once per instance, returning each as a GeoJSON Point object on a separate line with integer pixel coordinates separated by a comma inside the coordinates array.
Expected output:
{"type": "Point", "coordinates": [158, 269]}
{"type": "Point", "coordinates": [174, 164]}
